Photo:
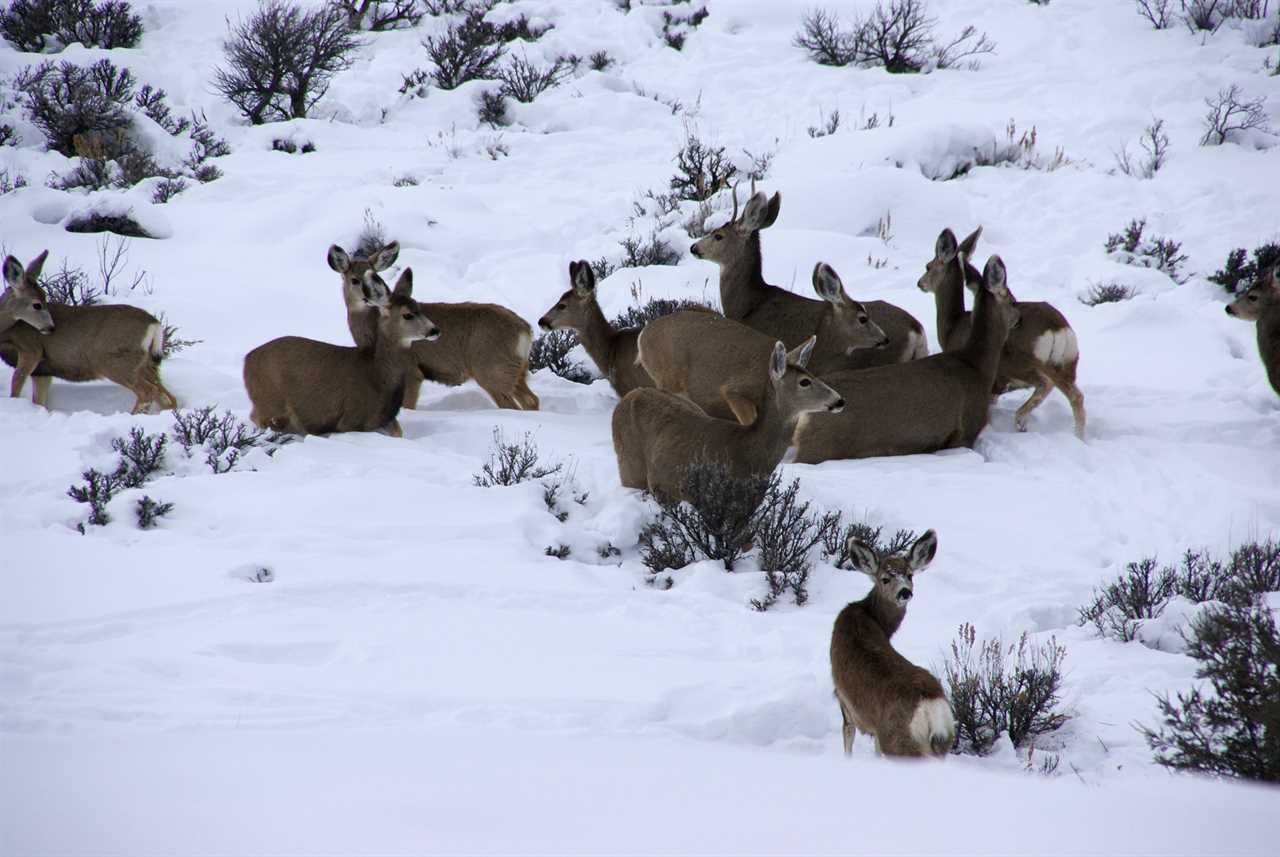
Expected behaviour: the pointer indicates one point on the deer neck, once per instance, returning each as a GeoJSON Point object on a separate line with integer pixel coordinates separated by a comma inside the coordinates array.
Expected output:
{"type": "Point", "coordinates": [742, 284]}
{"type": "Point", "coordinates": [949, 302]}
{"type": "Point", "coordinates": [596, 335]}
{"type": "Point", "coordinates": [774, 429]}
{"type": "Point", "coordinates": [1268, 341]}
{"type": "Point", "coordinates": [362, 321]}
{"type": "Point", "coordinates": [987, 335]}
{"type": "Point", "coordinates": [391, 359]}
{"type": "Point", "coordinates": [886, 612]}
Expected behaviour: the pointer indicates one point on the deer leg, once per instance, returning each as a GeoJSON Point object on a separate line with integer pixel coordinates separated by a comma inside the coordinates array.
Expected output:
{"type": "Point", "coordinates": [159, 393]}
{"type": "Point", "coordinates": [849, 731]}
{"type": "Point", "coordinates": [26, 365]}
{"type": "Point", "coordinates": [412, 387]}
{"type": "Point", "coordinates": [393, 429]}
{"type": "Point", "coordinates": [526, 397]}
{"type": "Point", "coordinates": [42, 384]}
{"type": "Point", "coordinates": [1076, 398]}
{"type": "Point", "coordinates": [1044, 387]}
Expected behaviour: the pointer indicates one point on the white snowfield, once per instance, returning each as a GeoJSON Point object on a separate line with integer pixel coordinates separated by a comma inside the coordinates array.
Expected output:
{"type": "Point", "coordinates": [419, 677]}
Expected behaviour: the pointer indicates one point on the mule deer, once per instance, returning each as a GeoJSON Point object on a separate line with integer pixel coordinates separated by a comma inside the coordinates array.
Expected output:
{"type": "Point", "coordinates": [1261, 303]}
{"type": "Point", "coordinates": [938, 402]}
{"type": "Point", "coordinates": [881, 693]}
{"type": "Point", "coordinates": [782, 314]}
{"type": "Point", "coordinates": [486, 343]}
{"type": "Point", "coordinates": [1041, 351]}
{"type": "Point", "coordinates": [713, 361]}
{"type": "Point", "coordinates": [612, 349]}
{"type": "Point", "coordinates": [657, 435]}
{"type": "Point", "coordinates": [303, 386]}
{"type": "Point", "coordinates": [118, 342]}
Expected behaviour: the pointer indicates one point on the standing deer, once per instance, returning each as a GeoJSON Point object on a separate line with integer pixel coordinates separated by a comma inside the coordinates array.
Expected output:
{"type": "Point", "coordinates": [881, 693]}
{"type": "Point", "coordinates": [782, 314]}
{"type": "Point", "coordinates": [939, 402]}
{"type": "Point", "coordinates": [118, 342]}
{"type": "Point", "coordinates": [486, 343]}
{"type": "Point", "coordinates": [307, 387]}
{"type": "Point", "coordinates": [713, 361]}
{"type": "Point", "coordinates": [1261, 303]}
{"type": "Point", "coordinates": [612, 349]}
{"type": "Point", "coordinates": [657, 435]}
{"type": "Point", "coordinates": [1041, 351]}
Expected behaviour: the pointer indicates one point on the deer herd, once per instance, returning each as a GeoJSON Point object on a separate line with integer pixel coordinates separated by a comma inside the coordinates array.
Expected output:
{"type": "Point", "coordinates": [830, 378]}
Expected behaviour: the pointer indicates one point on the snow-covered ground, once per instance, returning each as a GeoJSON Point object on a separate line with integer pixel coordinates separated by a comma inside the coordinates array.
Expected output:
{"type": "Point", "coordinates": [419, 676]}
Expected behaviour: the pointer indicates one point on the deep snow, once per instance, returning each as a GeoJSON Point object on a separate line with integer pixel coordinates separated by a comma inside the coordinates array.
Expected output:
{"type": "Point", "coordinates": [420, 676]}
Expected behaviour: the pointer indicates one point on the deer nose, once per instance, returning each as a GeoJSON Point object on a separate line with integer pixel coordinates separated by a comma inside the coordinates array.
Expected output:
{"type": "Point", "coordinates": [904, 594]}
{"type": "Point", "coordinates": [693, 249]}
{"type": "Point", "coordinates": [883, 343]}
{"type": "Point", "coordinates": [545, 323]}
{"type": "Point", "coordinates": [433, 334]}
{"type": "Point", "coordinates": [1230, 311]}
{"type": "Point", "coordinates": [837, 407]}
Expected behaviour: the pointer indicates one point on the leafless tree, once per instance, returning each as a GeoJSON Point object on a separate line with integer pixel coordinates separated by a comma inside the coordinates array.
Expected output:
{"type": "Point", "coordinates": [1227, 114]}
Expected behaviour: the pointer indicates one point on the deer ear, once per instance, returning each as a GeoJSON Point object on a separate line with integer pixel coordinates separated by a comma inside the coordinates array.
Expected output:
{"type": "Point", "coordinates": [862, 558]}
{"type": "Point", "coordinates": [386, 257]}
{"type": "Point", "coordinates": [775, 205]}
{"type": "Point", "coordinates": [760, 212]}
{"type": "Point", "coordinates": [801, 353]}
{"type": "Point", "coordinates": [36, 265]}
{"type": "Point", "coordinates": [968, 244]}
{"type": "Point", "coordinates": [994, 275]}
{"type": "Point", "coordinates": [338, 259]}
{"type": "Point", "coordinates": [12, 272]}
{"type": "Point", "coordinates": [1272, 279]}
{"type": "Point", "coordinates": [923, 551]}
{"type": "Point", "coordinates": [404, 285]}
{"type": "Point", "coordinates": [375, 291]}
{"type": "Point", "coordinates": [778, 362]}
{"type": "Point", "coordinates": [826, 282]}
{"type": "Point", "coordinates": [582, 277]}
{"type": "Point", "coordinates": [945, 247]}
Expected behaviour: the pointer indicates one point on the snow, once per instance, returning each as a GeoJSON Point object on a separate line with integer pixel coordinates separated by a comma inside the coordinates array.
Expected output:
{"type": "Point", "coordinates": [419, 676]}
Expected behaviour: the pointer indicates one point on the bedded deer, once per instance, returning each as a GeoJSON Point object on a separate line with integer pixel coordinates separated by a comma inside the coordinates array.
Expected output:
{"type": "Point", "coordinates": [486, 343]}
{"type": "Point", "coordinates": [881, 693]}
{"type": "Point", "coordinates": [657, 435]}
{"type": "Point", "coordinates": [939, 402]}
{"type": "Point", "coordinates": [612, 349]}
{"type": "Point", "coordinates": [711, 360]}
{"type": "Point", "coordinates": [1041, 351]}
{"type": "Point", "coordinates": [118, 342]}
{"type": "Point", "coordinates": [782, 314]}
{"type": "Point", "coordinates": [1261, 303]}
{"type": "Point", "coordinates": [303, 386]}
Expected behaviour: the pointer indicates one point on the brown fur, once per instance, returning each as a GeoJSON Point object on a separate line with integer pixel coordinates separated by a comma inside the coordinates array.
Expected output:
{"type": "Point", "coordinates": [784, 315]}
{"type": "Point", "coordinates": [614, 350]}
{"type": "Point", "coordinates": [877, 688]}
{"type": "Point", "coordinates": [307, 387]}
{"type": "Point", "coordinates": [1261, 303]}
{"type": "Point", "coordinates": [118, 342]}
{"type": "Point", "coordinates": [939, 402]}
{"type": "Point", "coordinates": [1020, 366]}
{"type": "Point", "coordinates": [657, 435]}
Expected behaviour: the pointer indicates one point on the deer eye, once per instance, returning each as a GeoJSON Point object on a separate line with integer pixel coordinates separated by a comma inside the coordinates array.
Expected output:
{"type": "Point", "coordinates": [862, 319]}
{"type": "Point", "coordinates": [37, 306]}
{"type": "Point", "coordinates": [805, 382]}
{"type": "Point", "coordinates": [408, 316]}
{"type": "Point", "coordinates": [719, 237]}
{"type": "Point", "coordinates": [559, 306]}
{"type": "Point", "coordinates": [884, 580]}
{"type": "Point", "coordinates": [1253, 297]}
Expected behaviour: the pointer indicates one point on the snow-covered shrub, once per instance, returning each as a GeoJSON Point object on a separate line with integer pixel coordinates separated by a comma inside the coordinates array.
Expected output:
{"type": "Point", "coordinates": [378, 15]}
{"type": "Point", "coordinates": [8, 136]}
{"type": "Point", "coordinates": [39, 25]}
{"type": "Point", "coordinates": [827, 125]}
{"type": "Point", "coordinates": [716, 521]}
{"type": "Point", "coordinates": [637, 252]}
{"type": "Point", "coordinates": [76, 106]}
{"type": "Point", "coordinates": [898, 38]}
{"type": "Point", "coordinates": [676, 28]}
{"type": "Point", "coordinates": [1158, 12]}
{"type": "Point", "coordinates": [10, 183]}
{"type": "Point", "coordinates": [550, 351]}
{"type": "Point", "coordinates": [1132, 248]}
{"type": "Point", "coordinates": [280, 60]}
{"type": "Point", "coordinates": [640, 314]}
{"type": "Point", "coordinates": [141, 457]}
{"type": "Point", "coordinates": [1107, 293]}
{"type": "Point", "coordinates": [835, 542]}
{"type": "Point", "coordinates": [290, 147]}
{"type": "Point", "coordinates": [1155, 146]}
{"type": "Point", "coordinates": [997, 690]}
{"type": "Point", "coordinates": [491, 107]}
{"type": "Point", "coordinates": [1229, 116]}
{"type": "Point", "coordinates": [554, 492]}
{"type": "Point", "coordinates": [524, 81]}
{"type": "Point", "coordinates": [372, 237]}
{"type": "Point", "coordinates": [468, 50]}
{"type": "Point", "coordinates": [702, 170]}
{"type": "Point", "coordinates": [1145, 589]}
{"type": "Point", "coordinates": [148, 511]}
{"type": "Point", "coordinates": [1240, 272]}
{"type": "Point", "coordinates": [1019, 150]}
{"type": "Point", "coordinates": [513, 463]}
{"type": "Point", "coordinates": [785, 535]}
{"type": "Point", "coordinates": [599, 60]}
{"type": "Point", "coordinates": [101, 221]}
{"type": "Point", "coordinates": [436, 8]}
{"type": "Point", "coordinates": [223, 439]}
{"type": "Point", "coordinates": [1231, 730]}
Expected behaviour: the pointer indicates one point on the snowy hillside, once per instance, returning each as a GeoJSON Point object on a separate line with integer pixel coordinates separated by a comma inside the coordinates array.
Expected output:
{"type": "Point", "coordinates": [419, 676]}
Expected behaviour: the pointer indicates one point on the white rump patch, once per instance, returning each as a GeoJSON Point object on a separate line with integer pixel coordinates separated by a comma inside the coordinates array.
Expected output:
{"type": "Point", "coordinates": [523, 342]}
{"type": "Point", "coordinates": [153, 340]}
{"type": "Point", "coordinates": [932, 719]}
{"type": "Point", "coordinates": [917, 347]}
{"type": "Point", "coordinates": [1057, 347]}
